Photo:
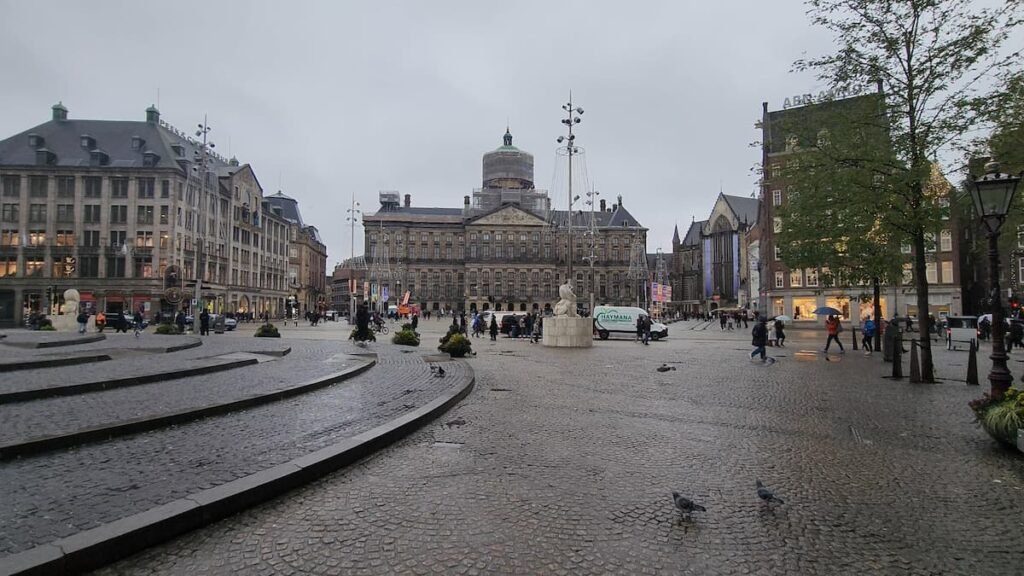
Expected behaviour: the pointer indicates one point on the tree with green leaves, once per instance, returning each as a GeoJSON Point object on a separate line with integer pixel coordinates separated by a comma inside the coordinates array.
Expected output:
{"type": "Point", "coordinates": [934, 60]}
{"type": "Point", "coordinates": [836, 182]}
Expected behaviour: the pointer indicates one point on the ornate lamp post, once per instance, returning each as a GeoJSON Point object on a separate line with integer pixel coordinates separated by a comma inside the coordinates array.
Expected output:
{"type": "Point", "coordinates": [992, 195]}
{"type": "Point", "coordinates": [572, 118]}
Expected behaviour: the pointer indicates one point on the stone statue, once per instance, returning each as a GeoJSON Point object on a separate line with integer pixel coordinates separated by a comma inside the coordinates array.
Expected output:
{"type": "Point", "coordinates": [71, 300]}
{"type": "Point", "coordinates": [567, 304]}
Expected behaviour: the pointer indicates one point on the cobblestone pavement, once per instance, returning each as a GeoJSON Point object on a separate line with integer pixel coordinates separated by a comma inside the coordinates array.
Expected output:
{"type": "Point", "coordinates": [57, 494]}
{"type": "Point", "coordinates": [563, 462]}
{"type": "Point", "coordinates": [62, 415]}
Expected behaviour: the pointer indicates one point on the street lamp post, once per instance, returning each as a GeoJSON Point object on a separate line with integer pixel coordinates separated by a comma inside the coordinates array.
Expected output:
{"type": "Point", "coordinates": [572, 118]}
{"type": "Point", "coordinates": [203, 169]}
{"type": "Point", "coordinates": [353, 216]}
{"type": "Point", "coordinates": [992, 195]}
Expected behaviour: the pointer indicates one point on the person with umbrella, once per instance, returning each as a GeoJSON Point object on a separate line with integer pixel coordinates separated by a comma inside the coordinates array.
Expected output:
{"type": "Point", "coordinates": [834, 328]}
{"type": "Point", "coordinates": [780, 333]}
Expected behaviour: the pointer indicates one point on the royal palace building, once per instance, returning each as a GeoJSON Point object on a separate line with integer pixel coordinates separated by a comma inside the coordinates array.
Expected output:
{"type": "Point", "coordinates": [505, 249]}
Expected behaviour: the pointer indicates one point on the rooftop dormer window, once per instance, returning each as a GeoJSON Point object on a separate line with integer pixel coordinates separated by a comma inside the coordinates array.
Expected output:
{"type": "Point", "coordinates": [150, 159]}
{"type": "Point", "coordinates": [87, 142]}
{"type": "Point", "coordinates": [98, 158]}
{"type": "Point", "coordinates": [35, 140]}
{"type": "Point", "coordinates": [137, 143]}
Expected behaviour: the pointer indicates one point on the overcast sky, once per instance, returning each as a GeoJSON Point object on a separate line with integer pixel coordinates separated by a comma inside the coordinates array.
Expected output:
{"type": "Point", "coordinates": [331, 99]}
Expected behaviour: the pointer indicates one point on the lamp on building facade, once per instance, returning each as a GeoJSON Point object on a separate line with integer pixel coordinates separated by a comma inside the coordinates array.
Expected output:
{"type": "Point", "coordinates": [992, 195]}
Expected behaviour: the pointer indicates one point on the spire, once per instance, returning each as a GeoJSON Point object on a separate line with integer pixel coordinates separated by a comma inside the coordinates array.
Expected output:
{"type": "Point", "coordinates": [675, 235]}
{"type": "Point", "coordinates": [508, 136]}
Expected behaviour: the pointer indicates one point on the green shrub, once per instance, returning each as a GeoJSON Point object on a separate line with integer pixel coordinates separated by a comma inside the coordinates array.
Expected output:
{"type": "Point", "coordinates": [456, 345]}
{"type": "Point", "coordinates": [267, 331]}
{"type": "Point", "coordinates": [405, 338]}
{"type": "Point", "coordinates": [47, 328]}
{"type": "Point", "coordinates": [407, 326]}
{"type": "Point", "coordinates": [1001, 418]}
{"type": "Point", "coordinates": [167, 329]}
{"type": "Point", "coordinates": [369, 333]}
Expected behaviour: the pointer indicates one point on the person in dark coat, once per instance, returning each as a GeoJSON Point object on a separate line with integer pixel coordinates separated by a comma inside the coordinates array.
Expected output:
{"type": "Point", "coordinates": [759, 339]}
{"type": "Point", "coordinates": [494, 328]}
{"type": "Point", "coordinates": [415, 321]}
{"type": "Point", "coordinates": [204, 323]}
{"type": "Point", "coordinates": [179, 320]}
{"type": "Point", "coordinates": [362, 324]}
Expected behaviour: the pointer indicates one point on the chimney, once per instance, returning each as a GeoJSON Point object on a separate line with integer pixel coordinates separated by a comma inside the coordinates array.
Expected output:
{"type": "Point", "coordinates": [152, 115]}
{"type": "Point", "coordinates": [59, 111]}
{"type": "Point", "coordinates": [614, 207]}
{"type": "Point", "coordinates": [604, 206]}
{"type": "Point", "coordinates": [408, 200]}
{"type": "Point", "coordinates": [620, 200]}
{"type": "Point", "coordinates": [465, 206]}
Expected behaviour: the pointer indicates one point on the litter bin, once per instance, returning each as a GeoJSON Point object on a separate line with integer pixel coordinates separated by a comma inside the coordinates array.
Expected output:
{"type": "Point", "coordinates": [218, 325]}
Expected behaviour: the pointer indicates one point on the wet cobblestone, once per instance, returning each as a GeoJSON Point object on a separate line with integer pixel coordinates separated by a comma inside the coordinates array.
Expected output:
{"type": "Point", "coordinates": [61, 493]}
{"type": "Point", "coordinates": [563, 461]}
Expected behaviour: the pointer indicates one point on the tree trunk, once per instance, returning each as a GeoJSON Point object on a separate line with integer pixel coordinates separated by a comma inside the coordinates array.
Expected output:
{"type": "Point", "coordinates": [923, 321]}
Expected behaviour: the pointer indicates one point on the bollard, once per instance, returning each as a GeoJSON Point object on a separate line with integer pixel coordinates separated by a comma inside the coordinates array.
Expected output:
{"type": "Point", "coordinates": [915, 368]}
{"type": "Point", "coordinates": [972, 365]}
{"type": "Point", "coordinates": [897, 361]}
{"type": "Point", "coordinates": [853, 332]}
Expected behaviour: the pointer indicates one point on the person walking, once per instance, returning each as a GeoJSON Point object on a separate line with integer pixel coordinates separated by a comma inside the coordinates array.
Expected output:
{"type": "Point", "coordinates": [639, 328]}
{"type": "Point", "coordinates": [137, 321]}
{"type": "Point", "coordinates": [101, 321]}
{"type": "Point", "coordinates": [834, 328]}
{"type": "Point", "coordinates": [494, 328]}
{"type": "Point", "coordinates": [780, 333]}
{"type": "Point", "coordinates": [83, 321]}
{"type": "Point", "coordinates": [415, 321]}
{"type": "Point", "coordinates": [868, 331]}
{"type": "Point", "coordinates": [204, 323]}
{"type": "Point", "coordinates": [179, 321]}
{"type": "Point", "coordinates": [759, 339]}
{"type": "Point", "coordinates": [646, 330]}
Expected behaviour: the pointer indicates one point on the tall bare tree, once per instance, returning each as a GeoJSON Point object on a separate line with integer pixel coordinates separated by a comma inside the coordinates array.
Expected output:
{"type": "Point", "coordinates": [935, 60]}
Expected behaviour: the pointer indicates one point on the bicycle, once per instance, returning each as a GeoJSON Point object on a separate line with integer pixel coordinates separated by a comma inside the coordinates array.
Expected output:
{"type": "Point", "coordinates": [380, 328]}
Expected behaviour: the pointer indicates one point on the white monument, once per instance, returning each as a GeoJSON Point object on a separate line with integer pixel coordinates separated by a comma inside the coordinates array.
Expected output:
{"type": "Point", "coordinates": [67, 322]}
{"type": "Point", "coordinates": [565, 329]}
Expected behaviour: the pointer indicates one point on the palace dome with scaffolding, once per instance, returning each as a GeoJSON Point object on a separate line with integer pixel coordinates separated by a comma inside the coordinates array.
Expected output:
{"type": "Point", "coordinates": [508, 167]}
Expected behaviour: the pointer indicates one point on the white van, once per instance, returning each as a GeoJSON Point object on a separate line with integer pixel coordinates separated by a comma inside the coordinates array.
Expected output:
{"type": "Point", "coordinates": [961, 329]}
{"type": "Point", "coordinates": [622, 319]}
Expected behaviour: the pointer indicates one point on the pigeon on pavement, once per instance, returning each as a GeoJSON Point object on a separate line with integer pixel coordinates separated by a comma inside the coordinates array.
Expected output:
{"type": "Point", "coordinates": [766, 495]}
{"type": "Point", "coordinates": [437, 371]}
{"type": "Point", "coordinates": [686, 506]}
{"type": "Point", "coordinates": [665, 368]}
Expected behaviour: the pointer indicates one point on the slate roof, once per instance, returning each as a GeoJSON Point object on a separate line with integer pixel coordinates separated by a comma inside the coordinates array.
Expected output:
{"type": "Point", "coordinates": [743, 207]}
{"type": "Point", "coordinates": [693, 234]}
{"type": "Point", "coordinates": [113, 137]}
{"type": "Point", "coordinates": [620, 218]}
{"type": "Point", "coordinates": [289, 207]}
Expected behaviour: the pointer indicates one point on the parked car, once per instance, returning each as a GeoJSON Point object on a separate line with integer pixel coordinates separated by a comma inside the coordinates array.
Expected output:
{"type": "Point", "coordinates": [115, 321]}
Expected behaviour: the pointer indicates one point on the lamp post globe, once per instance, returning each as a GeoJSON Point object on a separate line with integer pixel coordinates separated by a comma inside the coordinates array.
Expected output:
{"type": "Point", "coordinates": [992, 195]}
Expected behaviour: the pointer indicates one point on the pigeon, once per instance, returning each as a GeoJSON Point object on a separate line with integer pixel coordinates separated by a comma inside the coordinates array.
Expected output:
{"type": "Point", "coordinates": [665, 368]}
{"type": "Point", "coordinates": [686, 506]}
{"type": "Point", "coordinates": [766, 495]}
{"type": "Point", "coordinates": [437, 371]}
